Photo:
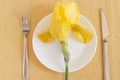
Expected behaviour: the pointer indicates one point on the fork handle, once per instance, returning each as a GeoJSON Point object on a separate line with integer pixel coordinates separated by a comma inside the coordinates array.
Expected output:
{"type": "Point", "coordinates": [25, 60]}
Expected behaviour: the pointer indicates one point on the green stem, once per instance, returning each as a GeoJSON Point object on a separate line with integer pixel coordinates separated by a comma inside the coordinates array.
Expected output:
{"type": "Point", "coordinates": [66, 58]}
{"type": "Point", "coordinates": [66, 73]}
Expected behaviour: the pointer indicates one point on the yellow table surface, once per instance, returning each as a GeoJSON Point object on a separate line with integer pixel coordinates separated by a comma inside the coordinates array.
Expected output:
{"type": "Point", "coordinates": [11, 39]}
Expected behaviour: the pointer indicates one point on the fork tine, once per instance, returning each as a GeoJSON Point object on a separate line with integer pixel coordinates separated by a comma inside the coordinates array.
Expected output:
{"type": "Point", "coordinates": [27, 16]}
{"type": "Point", "coordinates": [25, 21]}
{"type": "Point", "coordinates": [23, 16]}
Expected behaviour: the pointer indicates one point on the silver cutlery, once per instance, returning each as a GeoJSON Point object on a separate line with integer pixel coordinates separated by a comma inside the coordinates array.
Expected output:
{"type": "Point", "coordinates": [25, 30]}
{"type": "Point", "coordinates": [105, 33]}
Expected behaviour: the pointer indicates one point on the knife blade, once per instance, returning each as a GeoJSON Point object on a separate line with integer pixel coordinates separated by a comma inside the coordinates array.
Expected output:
{"type": "Point", "coordinates": [105, 33]}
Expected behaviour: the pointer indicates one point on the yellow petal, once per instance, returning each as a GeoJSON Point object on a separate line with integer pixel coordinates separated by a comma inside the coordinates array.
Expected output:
{"type": "Point", "coordinates": [63, 16]}
{"type": "Point", "coordinates": [78, 34]}
{"type": "Point", "coordinates": [59, 30]}
{"type": "Point", "coordinates": [81, 33]}
{"type": "Point", "coordinates": [71, 12]}
{"type": "Point", "coordinates": [58, 13]}
{"type": "Point", "coordinates": [46, 37]}
{"type": "Point", "coordinates": [66, 12]}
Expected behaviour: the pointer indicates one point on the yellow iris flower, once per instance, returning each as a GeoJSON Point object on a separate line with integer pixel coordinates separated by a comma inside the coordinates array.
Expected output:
{"type": "Point", "coordinates": [65, 18]}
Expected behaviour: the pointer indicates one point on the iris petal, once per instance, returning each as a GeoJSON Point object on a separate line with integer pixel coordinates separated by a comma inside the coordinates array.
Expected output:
{"type": "Point", "coordinates": [81, 33]}
{"type": "Point", "coordinates": [65, 18]}
{"type": "Point", "coordinates": [59, 30]}
{"type": "Point", "coordinates": [46, 37]}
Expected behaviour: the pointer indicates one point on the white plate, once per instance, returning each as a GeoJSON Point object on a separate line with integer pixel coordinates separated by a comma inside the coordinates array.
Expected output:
{"type": "Point", "coordinates": [50, 55]}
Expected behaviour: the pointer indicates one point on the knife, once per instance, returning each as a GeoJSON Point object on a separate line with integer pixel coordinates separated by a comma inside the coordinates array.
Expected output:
{"type": "Point", "coordinates": [105, 33]}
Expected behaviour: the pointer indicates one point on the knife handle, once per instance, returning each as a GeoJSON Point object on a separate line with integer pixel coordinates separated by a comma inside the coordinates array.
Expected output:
{"type": "Point", "coordinates": [106, 61]}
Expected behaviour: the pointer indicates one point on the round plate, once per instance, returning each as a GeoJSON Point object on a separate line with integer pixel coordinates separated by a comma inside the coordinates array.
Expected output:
{"type": "Point", "coordinates": [50, 55]}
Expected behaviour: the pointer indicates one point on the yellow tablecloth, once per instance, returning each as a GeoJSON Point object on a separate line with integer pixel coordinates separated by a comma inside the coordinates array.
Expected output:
{"type": "Point", "coordinates": [11, 39]}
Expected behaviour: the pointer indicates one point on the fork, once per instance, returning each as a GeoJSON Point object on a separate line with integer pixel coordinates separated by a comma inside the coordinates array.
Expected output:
{"type": "Point", "coordinates": [25, 29]}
